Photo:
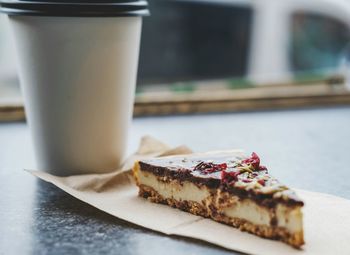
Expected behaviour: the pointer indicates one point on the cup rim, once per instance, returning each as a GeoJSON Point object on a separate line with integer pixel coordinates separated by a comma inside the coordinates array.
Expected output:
{"type": "Point", "coordinates": [87, 8]}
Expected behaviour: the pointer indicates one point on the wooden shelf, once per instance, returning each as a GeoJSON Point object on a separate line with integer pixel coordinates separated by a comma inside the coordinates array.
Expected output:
{"type": "Point", "coordinates": [211, 97]}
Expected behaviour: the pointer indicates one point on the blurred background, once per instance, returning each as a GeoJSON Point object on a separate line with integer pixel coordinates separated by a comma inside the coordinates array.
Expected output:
{"type": "Point", "coordinates": [264, 41]}
{"type": "Point", "coordinates": [228, 55]}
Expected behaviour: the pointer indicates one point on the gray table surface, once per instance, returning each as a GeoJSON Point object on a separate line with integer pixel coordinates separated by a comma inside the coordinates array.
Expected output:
{"type": "Point", "coordinates": [307, 149]}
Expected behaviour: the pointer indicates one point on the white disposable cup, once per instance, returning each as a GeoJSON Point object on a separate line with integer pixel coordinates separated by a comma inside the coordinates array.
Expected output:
{"type": "Point", "coordinates": [78, 78]}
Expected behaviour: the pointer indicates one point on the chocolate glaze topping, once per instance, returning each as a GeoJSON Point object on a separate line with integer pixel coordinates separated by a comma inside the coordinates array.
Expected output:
{"type": "Point", "coordinates": [235, 173]}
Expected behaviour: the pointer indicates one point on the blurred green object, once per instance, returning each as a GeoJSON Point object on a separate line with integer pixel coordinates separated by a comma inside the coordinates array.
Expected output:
{"type": "Point", "coordinates": [239, 83]}
{"type": "Point", "coordinates": [183, 87]}
{"type": "Point", "coordinates": [309, 77]}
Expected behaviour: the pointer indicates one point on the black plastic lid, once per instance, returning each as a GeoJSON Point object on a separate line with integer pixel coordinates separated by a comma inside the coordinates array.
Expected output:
{"type": "Point", "coordinates": [74, 8]}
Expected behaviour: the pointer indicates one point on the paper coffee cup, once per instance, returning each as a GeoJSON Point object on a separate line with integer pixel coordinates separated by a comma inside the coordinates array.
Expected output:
{"type": "Point", "coordinates": [77, 67]}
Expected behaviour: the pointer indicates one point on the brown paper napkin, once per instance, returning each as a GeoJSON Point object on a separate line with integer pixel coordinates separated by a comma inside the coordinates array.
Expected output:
{"type": "Point", "coordinates": [326, 217]}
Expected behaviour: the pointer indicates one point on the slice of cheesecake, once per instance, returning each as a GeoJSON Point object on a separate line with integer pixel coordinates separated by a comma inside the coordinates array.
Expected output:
{"type": "Point", "coordinates": [228, 187]}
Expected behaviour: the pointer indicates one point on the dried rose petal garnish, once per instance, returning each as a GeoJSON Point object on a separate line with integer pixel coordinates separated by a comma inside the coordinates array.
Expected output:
{"type": "Point", "coordinates": [262, 168]}
{"type": "Point", "coordinates": [254, 162]}
{"type": "Point", "coordinates": [261, 182]}
{"type": "Point", "coordinates": [229, 177]}
{"type": "Point", "coordinates": [208, 167]}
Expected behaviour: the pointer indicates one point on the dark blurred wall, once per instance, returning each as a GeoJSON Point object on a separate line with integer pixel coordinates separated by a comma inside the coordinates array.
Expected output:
{"type": "Point", "coordinates": [193, 40]}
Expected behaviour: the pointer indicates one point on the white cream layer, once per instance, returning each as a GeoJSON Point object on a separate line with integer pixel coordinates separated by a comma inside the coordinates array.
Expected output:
{"type": "Point", "coordinates": [187, 191]}
{"type": "Point", "coordinates": [291, 219]}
